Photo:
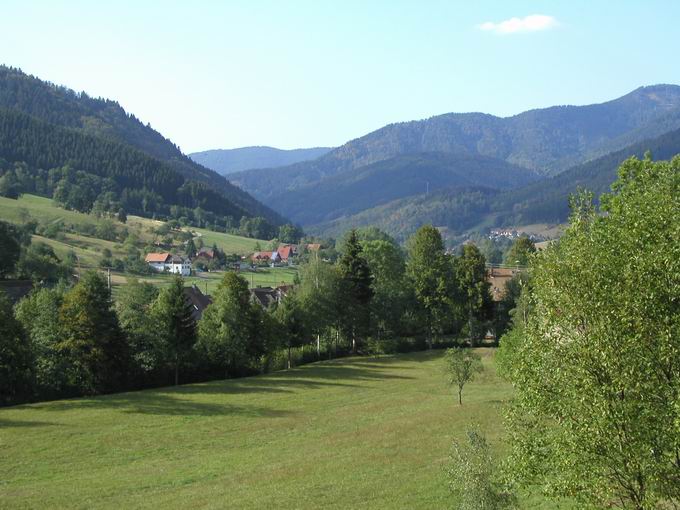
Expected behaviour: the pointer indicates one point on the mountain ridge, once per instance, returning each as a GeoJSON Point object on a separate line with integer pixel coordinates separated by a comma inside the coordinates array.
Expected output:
{"type": "Point", "coordinates": [227, 161]}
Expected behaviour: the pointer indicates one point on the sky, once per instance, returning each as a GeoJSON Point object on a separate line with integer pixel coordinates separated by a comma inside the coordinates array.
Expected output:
{"type": "Point", "coordinates": [289, 74]}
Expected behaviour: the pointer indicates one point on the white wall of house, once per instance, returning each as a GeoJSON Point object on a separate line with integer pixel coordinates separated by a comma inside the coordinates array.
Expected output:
{"type": "Point", "coordinates": [157, 266]}
{"type": "Point", "coordinates": [183, 269]}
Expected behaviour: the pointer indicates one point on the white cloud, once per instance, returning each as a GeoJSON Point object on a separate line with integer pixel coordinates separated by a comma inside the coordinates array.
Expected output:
{"type": "Point", "coordinates": [533, 23]}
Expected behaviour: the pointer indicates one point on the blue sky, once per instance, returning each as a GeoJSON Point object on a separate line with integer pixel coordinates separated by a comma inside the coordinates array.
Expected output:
{"type": "Point", "coordinates": [311, 73]}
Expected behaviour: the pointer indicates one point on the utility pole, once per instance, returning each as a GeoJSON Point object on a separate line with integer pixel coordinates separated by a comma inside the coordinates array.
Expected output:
{"type": "Point", "coordinates": [108, 276]}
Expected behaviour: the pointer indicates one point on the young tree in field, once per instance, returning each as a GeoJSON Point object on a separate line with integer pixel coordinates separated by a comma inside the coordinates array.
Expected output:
{"type": "Point", "coordinates": [229, 325]}
{"type": "Point", "coordinates": [191, 248]}
{"type": "Point", "coordinates": [520, 252]}
{"type": "Point", "coordinates": [16, 356]}
{"type": "Point", "coordinates": [462, 365]}
{"type": "Point", "coordinates": [471, 275]}
{"type": "Point", "coordinates": [91, 340]}
{"type": "Point", "coordinates": [472, 477]}
{"type": "Point", "coordinates": [597, 367]}
{"type": "Point", "coordinates": [174, 325]}
{"type": "Point", "coordinates": [429, 269]}
{"type": "Point", "coordinates": [355, 284]}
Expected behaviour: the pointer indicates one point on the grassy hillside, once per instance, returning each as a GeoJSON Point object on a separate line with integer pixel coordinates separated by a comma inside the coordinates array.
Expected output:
{"type": "Point", "coordinates": [353, 433]}
{"type": "Point", "coordinates": [89, 249]}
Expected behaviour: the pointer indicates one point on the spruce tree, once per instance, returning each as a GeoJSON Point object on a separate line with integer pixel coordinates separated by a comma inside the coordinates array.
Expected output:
{"type": "Point", "coordinates": [357, 292]}
{"type": "Point", "coordinates": [175, 326]}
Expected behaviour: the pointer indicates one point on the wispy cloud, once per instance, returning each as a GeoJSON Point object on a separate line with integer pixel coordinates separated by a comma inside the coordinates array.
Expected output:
{"type": "Point", "coordinates": [532, 23]}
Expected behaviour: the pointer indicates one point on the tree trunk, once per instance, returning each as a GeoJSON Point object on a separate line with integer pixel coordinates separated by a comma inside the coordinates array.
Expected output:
{"type": "Point", "coordinates": [460, 396]}
{"type": "Point", "coordinates": [354, 343]}
{"type": "Point", "coordinates": [318, 346]}
{"type": "Point", "coordinates": [289, 357]}
{"type": "Point", "coordinates": [176, 371]}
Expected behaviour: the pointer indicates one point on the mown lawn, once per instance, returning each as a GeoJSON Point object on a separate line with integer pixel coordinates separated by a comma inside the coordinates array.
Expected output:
{"type": "Point", "coordinates": [352, 433]}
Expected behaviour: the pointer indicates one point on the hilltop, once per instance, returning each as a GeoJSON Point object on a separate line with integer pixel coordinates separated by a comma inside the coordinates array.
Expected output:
{"type": "Point", "coordinates": [227, 161]}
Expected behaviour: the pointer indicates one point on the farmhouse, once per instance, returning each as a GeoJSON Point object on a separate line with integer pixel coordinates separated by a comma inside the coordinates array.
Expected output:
{"type": "Point", "coordinates": [167, 262]}
{"type": "Point", "coordinates": [265, 256]}
{"type": "Point", "coordinates": [267, 296]}
{"type": "Point", "coordinates": [287, 252]}
{"type": "Point", "coordinates": [498, 277]}
{"type": "Point", "coordinates": [205, 253]}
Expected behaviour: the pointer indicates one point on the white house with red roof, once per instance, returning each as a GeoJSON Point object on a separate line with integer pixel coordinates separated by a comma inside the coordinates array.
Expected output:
{"type": "Point", "coordinates": [167, 262]}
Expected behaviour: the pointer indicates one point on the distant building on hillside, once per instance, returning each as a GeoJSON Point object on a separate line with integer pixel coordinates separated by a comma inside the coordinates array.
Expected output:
{"type": "Point", "coordinates": [205, 253]}
{"type": "Point", "coordinates": [167, 262]}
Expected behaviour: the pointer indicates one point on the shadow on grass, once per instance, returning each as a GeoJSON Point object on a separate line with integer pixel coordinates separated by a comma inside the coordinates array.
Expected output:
{"type": "Point", "coordinates": [169, 401]}
{"type": "Point", "coordinates": [155, 403]}
{"type": "Point", "coordinates": [25, 424]}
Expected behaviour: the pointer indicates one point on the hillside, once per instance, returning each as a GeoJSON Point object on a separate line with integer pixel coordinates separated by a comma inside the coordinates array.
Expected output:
{"type": "Point", "coordinates": [227, 161]}
{"type": "Point", "coordinates": [462, 209]}
{"type": "Point", "coordinates": [547, 140]}
{"type": "Point", "coordinates": [105, 120]}
{"type": "Point", "coordinates": [339, 434]}
{"type": "Point", "coordinates": [371, 186]}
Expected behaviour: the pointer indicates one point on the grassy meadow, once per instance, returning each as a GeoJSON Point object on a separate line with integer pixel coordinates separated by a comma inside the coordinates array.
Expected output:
{"type": "Point", "coordinates": [350, 433]}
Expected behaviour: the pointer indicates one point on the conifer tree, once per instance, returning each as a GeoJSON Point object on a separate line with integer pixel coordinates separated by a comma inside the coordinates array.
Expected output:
{"type": "Point", "coordinates": [356, 289]}
{"type": "Point", "coordinates": [175, 326]}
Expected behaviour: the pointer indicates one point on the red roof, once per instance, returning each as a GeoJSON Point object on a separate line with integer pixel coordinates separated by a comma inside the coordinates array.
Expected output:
{"type": "Point", "coordinates": [285, 251]}
{"type": "Point", "coordinates": [157, 257]}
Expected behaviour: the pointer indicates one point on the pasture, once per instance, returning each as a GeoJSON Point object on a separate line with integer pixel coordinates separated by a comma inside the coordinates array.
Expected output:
{"type": "Point", "coordinates": [350, 433]}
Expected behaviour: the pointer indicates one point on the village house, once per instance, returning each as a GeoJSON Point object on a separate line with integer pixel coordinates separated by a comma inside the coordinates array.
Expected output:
{"type": "Point", "coordinates": [205, 253]}
{"type": "Point", "coordinates": [167, 262]}
{"type": "Point", "coordinates": [265, 256]}
{"type": "Point", "coordinates": [267, 296]}
{"type": "Point", "coordinates": [498, 277]}
{"type": "Point", "coordinates": [197, 301]}
{"type": "Point", "coordinates": [287, 252]}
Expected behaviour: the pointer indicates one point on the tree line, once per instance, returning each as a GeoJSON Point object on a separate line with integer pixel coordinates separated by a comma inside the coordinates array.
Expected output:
{"type": "Point", "coordinates": [76, 340]}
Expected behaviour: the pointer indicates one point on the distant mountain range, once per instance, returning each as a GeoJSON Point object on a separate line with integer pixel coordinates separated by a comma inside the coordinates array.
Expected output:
{"type": "Point", "coordinates": [47, 126]}
{"type": "Point", "coordinates": [471, 154]}
{"type": "Point", "coordinates": [227, 161]}
{"type": "Point", "coordinates": [457, 209]}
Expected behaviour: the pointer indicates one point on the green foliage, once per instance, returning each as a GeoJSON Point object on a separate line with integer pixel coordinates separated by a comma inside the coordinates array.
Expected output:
{"type": "Point", "coordinates": [91, 338]}
{"type": "Point", "coordinates": [228, 331]}
{"type": "Point", "coordinates": [174, 326]}
{"type": "Point", "coordinates": [16, 356]}
{"type": "Point", "coordinates": [39, 316]}
{"type": "Point", "coordinates": [10, 248]}
{"type": "Point", "coordinates": [520, 252]}
{"type": "Point", "coordinates": [429, 269]}
{"type": "Point", "coordinates": [462, 365]}
{"type": "Point", "coordinates": [472, 476]}
{"type": "Point", "coordinates": [133, 306]}
{"type": "Point", "coordinates": [356, 291]}
{"type": "Point", "coordinates": [470, 269]}
{"type": "Point", "coordinates": [39, 263]}
{"type": "Point", "coordinates": [596, 369]}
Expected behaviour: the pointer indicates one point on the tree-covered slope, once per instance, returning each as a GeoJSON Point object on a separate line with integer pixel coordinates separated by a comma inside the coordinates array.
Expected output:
{"type": "Point", "coordinates": [373, 185]}
{"type": "Point", "coordinates": [106, 119]}
{"type": "Point", "coordinates": [543, 201]}
{"type": "Point", "coordinates": [547, 140]}
{"type": "Point", "coordinates": [227, 161]}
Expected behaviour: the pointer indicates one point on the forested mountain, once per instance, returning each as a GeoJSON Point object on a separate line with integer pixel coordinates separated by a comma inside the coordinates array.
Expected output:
{"type": "Point", "coordinates": [547, 140]}
{"type": "Point", "coordinates": [106, 120]}
{"type": "Point", "coordinates": [544, 201]}
{"type": "Point", "coordinates": [227, 161]}
{"type": "Point", "coordinates": [348, 193]}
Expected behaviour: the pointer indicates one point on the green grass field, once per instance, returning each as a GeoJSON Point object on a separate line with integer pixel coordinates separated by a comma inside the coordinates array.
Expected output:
{"type": "Point", "coordinates": [352, 433]}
